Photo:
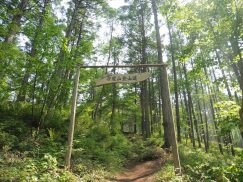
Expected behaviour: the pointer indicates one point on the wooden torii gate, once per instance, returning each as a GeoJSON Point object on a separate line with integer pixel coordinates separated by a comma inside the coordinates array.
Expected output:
{"type": "Point", "coordinates": [173, 140]}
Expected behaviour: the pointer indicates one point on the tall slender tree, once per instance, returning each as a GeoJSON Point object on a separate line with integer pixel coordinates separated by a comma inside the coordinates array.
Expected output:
{"type": "Point", "coordinates": [165, 95]}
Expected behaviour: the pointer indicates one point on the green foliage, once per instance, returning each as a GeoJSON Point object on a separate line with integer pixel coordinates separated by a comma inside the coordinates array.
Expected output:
{"type": "Point", "coordinates": [168, 174]}
{"type": "Point", "coordinates": [16, 117]}
{"type": "Point", "coordinates": [228, 116]}
{"type": "Point", "coordinates": [202, 166]}
{"type": "Point", "coordinates": [11, 131]}
{"type": "Point", "coordinates": [26, 157]}
{"type": "Point", "coordinates": [17, 167]}
{"type": "Point", "coordinates": [98, 145]}
{"type": "Point", "coordinates": [40, 156]}
{"type": "Point", "coordinates": [145, 150]}
{"type": "Point", "coordinates": [7, 140]}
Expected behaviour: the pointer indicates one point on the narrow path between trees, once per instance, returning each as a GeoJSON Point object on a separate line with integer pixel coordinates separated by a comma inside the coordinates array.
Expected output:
{"type": "Point", "coordinates": [139, 172]}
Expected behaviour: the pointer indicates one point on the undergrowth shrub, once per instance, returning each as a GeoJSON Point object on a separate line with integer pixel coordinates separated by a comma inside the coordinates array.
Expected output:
{"type": "Point", "coordinates": [168, 174]}
{"type": "Point", "coordinates": [7, 139]}
{"type": "Point", "coordinates": [200, 166]}
{"type": "Point", "coordinates": [212, 166]}
{"type": "Point", "coordinates": [145, 150]}
{"type": "Point", "coordinates": [12, 132]}
{"type": "Point", "coordinates": [101, 151]}
{"type": "Point", "coordinates": [100, 148]}
{"type": "Point", "coordinates": [21, 168]}
{"type": "Point", "coordinates": [21, 113]}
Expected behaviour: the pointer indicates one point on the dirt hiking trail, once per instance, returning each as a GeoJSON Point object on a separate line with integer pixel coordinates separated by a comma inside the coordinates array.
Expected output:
{"type": "Point", "coordinates": [139, 172]}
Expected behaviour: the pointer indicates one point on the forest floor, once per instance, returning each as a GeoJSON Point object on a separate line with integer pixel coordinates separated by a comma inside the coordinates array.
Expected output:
{"type": "Point", "coordinates": [139, 172]}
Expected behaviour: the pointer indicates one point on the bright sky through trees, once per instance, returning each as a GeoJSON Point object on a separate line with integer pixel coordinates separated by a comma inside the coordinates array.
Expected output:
{"type": "Point", "coordinates": [116, 3]}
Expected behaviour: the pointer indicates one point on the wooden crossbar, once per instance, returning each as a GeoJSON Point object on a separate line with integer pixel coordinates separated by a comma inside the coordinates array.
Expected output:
{"type": "Point", "coordinates": [124, 66]}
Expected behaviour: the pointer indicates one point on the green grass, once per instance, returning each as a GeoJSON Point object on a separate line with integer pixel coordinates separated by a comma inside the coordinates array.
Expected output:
{"type": "Point", "coordinates": [200, 166]}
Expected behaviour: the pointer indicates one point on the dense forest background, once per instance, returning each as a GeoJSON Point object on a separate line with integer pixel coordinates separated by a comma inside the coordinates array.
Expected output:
{"type": "Point", "coordinates": [42, 43]}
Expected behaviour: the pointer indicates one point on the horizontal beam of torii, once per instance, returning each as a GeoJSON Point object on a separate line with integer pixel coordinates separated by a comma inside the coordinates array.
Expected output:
{"type": "Point", "coordinates": [123, 66]}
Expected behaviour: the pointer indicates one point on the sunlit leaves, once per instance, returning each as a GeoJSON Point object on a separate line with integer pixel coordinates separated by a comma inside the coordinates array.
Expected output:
{"type": "Point", "coordinates": [228, 116]}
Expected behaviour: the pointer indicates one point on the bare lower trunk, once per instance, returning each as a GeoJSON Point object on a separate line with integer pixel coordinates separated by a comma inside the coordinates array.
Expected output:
{"type": "Point", "coordinates": [190, 107]}
{"type": "Point", "coordinates": [175, 84]}
{"type": "Point", "coordinates": [72, 120]}
{"type": "Point", "coordinates": [165, 95]}
{"type": "Point", "coordinates": [206, 120]}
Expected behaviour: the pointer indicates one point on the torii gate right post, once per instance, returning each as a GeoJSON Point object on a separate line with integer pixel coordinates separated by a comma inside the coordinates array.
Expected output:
{"type": "Point", "coordinates": [165, 93]}
{"type": "Point", "coordinates": [167, 109]}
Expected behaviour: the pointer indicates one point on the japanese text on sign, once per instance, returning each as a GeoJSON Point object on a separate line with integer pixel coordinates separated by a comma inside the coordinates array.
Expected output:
{"type": "Point", "coordinates": [122, 78]}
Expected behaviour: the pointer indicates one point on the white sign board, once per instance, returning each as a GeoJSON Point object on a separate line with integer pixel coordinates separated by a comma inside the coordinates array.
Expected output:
{"type": "Point", "coordinates": [122, 78]}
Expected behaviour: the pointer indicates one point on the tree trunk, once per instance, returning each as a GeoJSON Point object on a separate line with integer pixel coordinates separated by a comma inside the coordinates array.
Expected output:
{"type": "Point", "coordinates": [202, 126]}
{"type": "Point", "coordinates": [166, 107]}
{"type": "Point", "coordinates": [224, 76]}
{"type": "Point", "coordinates": [72, 120]}
{"type": "Point", "coordinates": [60, 75]}
{"type": "Point", "coordinates": [231, 145]}
{"type": "Point", "coordinates": [152, 108]}
{"type": "Point", "coordinates": [237, 52]}
{"type": "Point", "coordinates": [135, 114]}
{"type": "Point", "coordinates": [195, 119]}
{"type": "Point", "coordinates": [213, 115]}
{"type": "Point", "coordinates": [143, 122]}
{"type": "Point", "coordinates": [114, 98]}
{"type": "Point", "coordinates": [22, 93]}
{"type": "Point", "coordinates": [193, 112]}
{"type": "Point", "coordinates": [235, 40]}
{"type": "Point", "coordinates": [145, 85]}
{"type": "Point", "coordinates": [103, 87]}
{"type": "Point", "coordinates": [16, 20]}
{"type": "Point", "coordinates": [160, 111]}
{"type": "Point", "coordinates": [187, 113]}
{"type": "Point", "coordinates": [206, 119]}
{"type": "Point", "coordinates": [113, 110]}
{"type": "Point", "coordinates": [163, 82]}
{"type": "Point", "coordinates": [175, 84]}
{"type": "Point", "coordinates": [189, 107]}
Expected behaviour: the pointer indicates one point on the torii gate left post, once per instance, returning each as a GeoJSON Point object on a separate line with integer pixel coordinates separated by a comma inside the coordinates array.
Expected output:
{"type": "Point", "coordinates": [73, 113]}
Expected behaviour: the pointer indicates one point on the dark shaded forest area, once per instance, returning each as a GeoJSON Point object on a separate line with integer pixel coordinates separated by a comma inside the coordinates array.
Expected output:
{"type": "Point", "coordinates": [187, 117]}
